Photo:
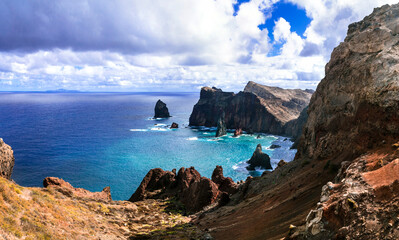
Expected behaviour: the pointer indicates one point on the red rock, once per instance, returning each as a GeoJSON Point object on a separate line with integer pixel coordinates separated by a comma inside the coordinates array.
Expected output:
{"type": "Point", "coordinates": [225, 184]}
{"type": "Point", "coordinates": [237, 132]}
{"type": "Point", "coordinates": [199, 195]}
{"type": "Point", "coordinates": [68, 190]}
{"type": "Point", "coordinates": [155, 179]}
{"type": "Point", "coordinates": [192, 190]}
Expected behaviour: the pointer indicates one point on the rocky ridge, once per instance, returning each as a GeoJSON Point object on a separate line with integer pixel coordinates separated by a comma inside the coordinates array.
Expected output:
{"type": "Point", "coordinates": [6, 160]}
{"type": "Point", "coordinates": [187, 186]}
{"type": "Point", "coordinates": [350, 139]}
{"type": "Point", "coordinates": [257, 109]}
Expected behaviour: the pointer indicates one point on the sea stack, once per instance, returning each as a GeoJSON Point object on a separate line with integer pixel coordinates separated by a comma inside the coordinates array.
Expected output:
{"type": "Point", "coordinates": [259, 159]}
{"type": "Point", "coordinates": [6, 160]}
{"type": "Point", "coordinates": [221, 126]}
{"type": "Point", "coordinates": [161, 111]}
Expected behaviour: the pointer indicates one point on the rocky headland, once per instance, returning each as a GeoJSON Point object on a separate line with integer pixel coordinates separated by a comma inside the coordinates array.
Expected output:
{"type": "Point", "coordinates": [258, 108]}
{"type": "Point", "coordinates": [343, 182]}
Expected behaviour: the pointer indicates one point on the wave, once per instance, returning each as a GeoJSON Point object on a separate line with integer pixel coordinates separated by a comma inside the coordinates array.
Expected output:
{"type": "Point", "coordinates": [192, 138]}
{"type": "Point", "coordinates": [161, 129]}
{"type": "Point", "coordinates": [138, 130]}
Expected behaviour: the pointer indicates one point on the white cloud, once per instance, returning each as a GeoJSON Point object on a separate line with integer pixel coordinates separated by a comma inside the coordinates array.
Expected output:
{"type": "Point", "coordinates": [166, 45]}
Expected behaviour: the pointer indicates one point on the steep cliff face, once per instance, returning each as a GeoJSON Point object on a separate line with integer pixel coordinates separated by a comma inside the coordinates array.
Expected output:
{"type": "Point", "coordinates": [350, 138]}
{"type": "Point", "coordinates": [355, 106]}
{"type": "Point", "coordinates": [258, 109]}
{"type": "Point", "coordinates": [6, 160]}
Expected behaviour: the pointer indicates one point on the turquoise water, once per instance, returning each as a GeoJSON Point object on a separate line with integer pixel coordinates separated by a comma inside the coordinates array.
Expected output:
{"type": "Point", "coordinates": [95, 140]}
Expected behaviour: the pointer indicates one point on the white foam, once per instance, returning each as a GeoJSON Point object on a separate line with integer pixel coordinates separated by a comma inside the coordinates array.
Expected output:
{"type": "Point", "coordinates": [192, 138]}
{"type": "Point", "coordinates": [159, 129]}
{"type": "Point", "coordinates": [138, 130]}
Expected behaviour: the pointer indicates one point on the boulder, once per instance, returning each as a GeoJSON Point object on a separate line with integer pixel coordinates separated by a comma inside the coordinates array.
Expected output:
{"type": "Point", "coordinates": [174, 125]}
{"type": "Point", "coordinates": [274, 146]}
{"type": "Point", "coordinates": [237, 132]}
{"type": "Point", "coordinates": [68, 190]}
{"type": "Point", "coordinates": [259, 159]}
{"type": "Point", "coordinates": [221, 126]}
{"type": "Point", "coordinates": [225, 184]}
{"type": "Point", "coordinates": [6, 160]}
{"type": "Point", "coordinates": [161, 111]}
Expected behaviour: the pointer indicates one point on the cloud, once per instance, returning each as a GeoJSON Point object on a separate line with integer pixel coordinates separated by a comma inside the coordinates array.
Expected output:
{"type": "Point", "coordinates": [175, 45]}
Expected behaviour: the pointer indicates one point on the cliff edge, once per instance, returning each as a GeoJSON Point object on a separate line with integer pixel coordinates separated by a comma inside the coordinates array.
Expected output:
{"type": "Point", "coordinates": [6, 160]}
{"type": "Point", "coordinates": [350, 139]}
{"type": "Point", "coordinates": [258, 108]}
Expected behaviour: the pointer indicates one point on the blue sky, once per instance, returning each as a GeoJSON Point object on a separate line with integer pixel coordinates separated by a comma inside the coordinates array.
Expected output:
{"type": "Point", "coordinates": [175, 45]}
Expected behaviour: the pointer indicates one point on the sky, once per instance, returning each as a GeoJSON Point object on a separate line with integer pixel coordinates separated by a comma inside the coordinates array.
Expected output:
{"type": "Point", "coordinates": [174, 45]}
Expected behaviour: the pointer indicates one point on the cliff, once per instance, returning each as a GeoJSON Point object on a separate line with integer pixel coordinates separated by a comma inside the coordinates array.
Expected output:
{"type": "Point", "coordinates": [257, 109]}
{"type": "Point", "coordinates": [350, 139]}
{"type": "Point", "coordinates": [6, 160]}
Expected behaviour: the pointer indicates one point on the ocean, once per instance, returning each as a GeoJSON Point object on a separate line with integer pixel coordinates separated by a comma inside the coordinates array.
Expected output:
{"type": "Point", "coordinates": [94, 140]}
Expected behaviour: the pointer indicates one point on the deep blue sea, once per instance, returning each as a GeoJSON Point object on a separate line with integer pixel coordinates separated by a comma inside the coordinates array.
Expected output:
{"type": "Point", "coordinates": [93, 140]}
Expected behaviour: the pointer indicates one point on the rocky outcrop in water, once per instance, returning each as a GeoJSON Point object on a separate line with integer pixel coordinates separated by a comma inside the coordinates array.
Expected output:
{"type": "Point", "coordinates": [174, 125]}
{"type": "Point", "coordinates": [161, 111]}
{"type": "Point", "coordinates": [6, 160]}
{"type": "Point", "coordinates": [259, 160]}
{"type": "Point", "coordinates": [221, 126]}
{"type": "Point", "coordinates": [192, 190]}
{"type": "Point", "coordinates": [237, 132]}
{"type": "Point", "coordinates": [257, 109]}
{"type": "Point", "coordinates": [68, 190]}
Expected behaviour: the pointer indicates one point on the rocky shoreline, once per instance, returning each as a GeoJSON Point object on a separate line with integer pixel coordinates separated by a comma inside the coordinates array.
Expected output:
{"type": "Point", "coordinates": [258, 108]}
{"type": "Point", "coordinates": [342, 184]}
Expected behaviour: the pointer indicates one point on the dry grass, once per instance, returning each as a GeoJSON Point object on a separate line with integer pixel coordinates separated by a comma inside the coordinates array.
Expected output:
{"type": "Point", "coordinates": [44, 213]}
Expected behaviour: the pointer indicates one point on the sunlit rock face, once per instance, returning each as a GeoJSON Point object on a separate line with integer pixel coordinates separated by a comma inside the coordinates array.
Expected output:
{"type": "Point", "coordinates": [6, 160]}
{"type": "Point", "coordinates": [258, 108]}
{"type": "Point", "coordinates": [355, 107]}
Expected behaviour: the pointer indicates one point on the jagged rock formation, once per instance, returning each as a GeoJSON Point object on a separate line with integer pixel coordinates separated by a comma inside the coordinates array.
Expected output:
{"type": "Point", "coordinates": [225, 184]}
{"type": "Point", "coordinates": [192, 190]}
{"type": "Point", "coordinates": [67, 189]}
{"type": "Point", "coordinates": [161, 111]}
{"type": "Point", "coordinates": [221, 126]}
{"type": "Point", "coordinates": [353, 118]}
{"type": "Point", "coordinates": [6, 160]}
{"type": "Point", "coordinates": [257, 109]}
{"type": "Point", "coordinates": [259, 159]}
{"type": "Point", "coordinates": [174, 125]}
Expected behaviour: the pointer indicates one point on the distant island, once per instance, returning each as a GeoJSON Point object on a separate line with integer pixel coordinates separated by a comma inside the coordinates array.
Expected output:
{"type": "Point", "coordinates": [61, 90]}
